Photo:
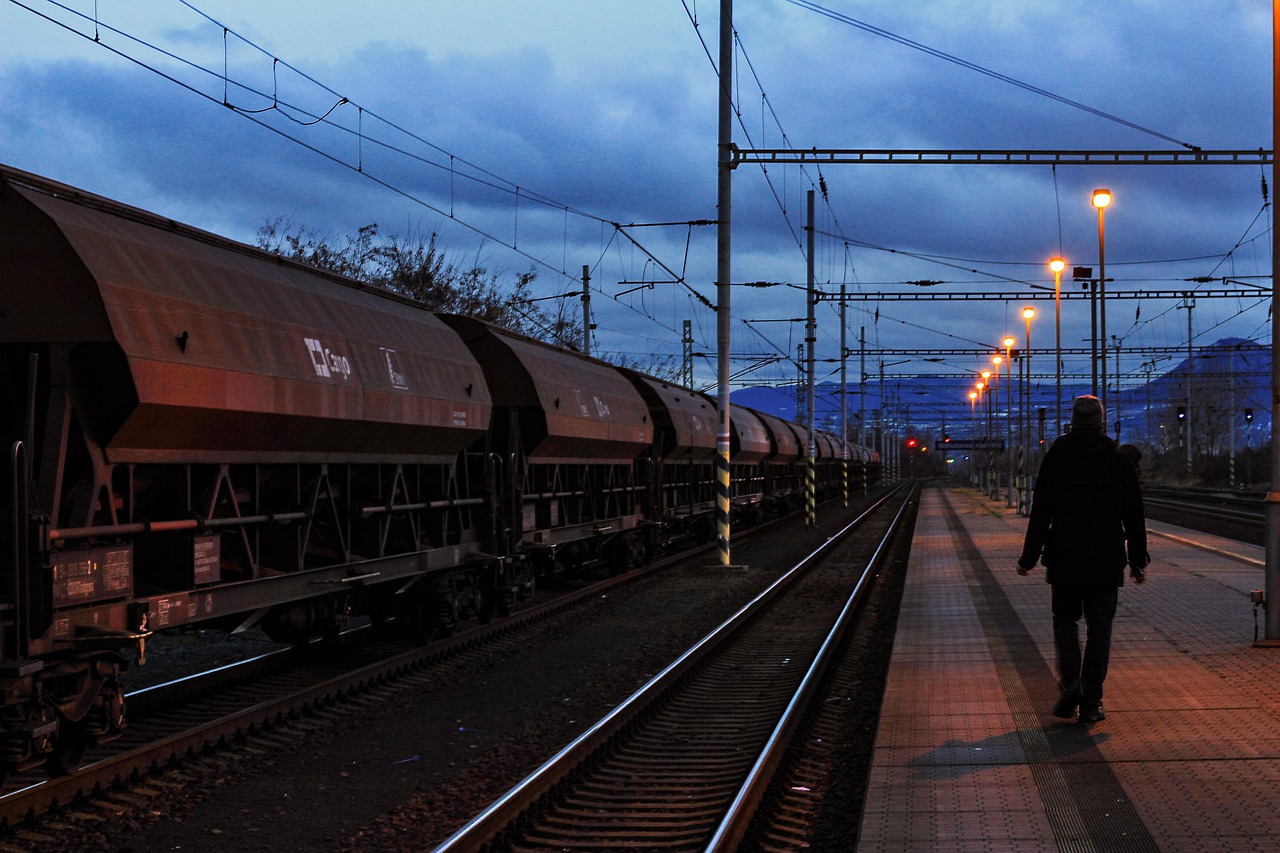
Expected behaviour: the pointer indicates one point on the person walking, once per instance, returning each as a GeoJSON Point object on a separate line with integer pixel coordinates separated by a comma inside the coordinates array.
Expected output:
{"type": "Point", "coordinates": [1086, 523]}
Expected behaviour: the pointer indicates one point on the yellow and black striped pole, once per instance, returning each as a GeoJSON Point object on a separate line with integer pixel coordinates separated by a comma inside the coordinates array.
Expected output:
{"type": "Point", "coordinates": [724, 195]}
{"type": "Point", "coordinates": [810, 490]}
{"type": "Point", "coordinates": [722, 498]}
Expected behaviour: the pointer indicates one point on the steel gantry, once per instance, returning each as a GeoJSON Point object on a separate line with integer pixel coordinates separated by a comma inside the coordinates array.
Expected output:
{"type": "Point", "coordinates": [931, 295]}
{"type": "Point", "coordinates": [999, 157]}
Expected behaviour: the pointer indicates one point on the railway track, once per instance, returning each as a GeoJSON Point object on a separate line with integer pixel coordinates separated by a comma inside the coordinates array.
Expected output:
{"type": "Point", "coordinates": [191, 716]}
{"type": "Point", "coordinates": [1235, 515]}
{"type": "Point", "coordinates": [261, 698]}
{"type": "Point", "coordinates": [685, 762]}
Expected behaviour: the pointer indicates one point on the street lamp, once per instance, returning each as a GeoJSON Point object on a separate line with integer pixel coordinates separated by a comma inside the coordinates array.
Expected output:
{"type": "Point", "coordinates": [1058, 265]}
{"type": "Point", "coordinates": [992, 487]}
{"type": "Point", "coordinates": [1027, 315]}
{"type": "Point", "coordinates": [1008, 343]}
{"type": "Point", "coordinates": [1101, 200]}
{"type": "Point", "coordinates": [973, 434]}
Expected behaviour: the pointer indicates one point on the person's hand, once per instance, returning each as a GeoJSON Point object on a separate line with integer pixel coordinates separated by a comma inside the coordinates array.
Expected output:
{"type": "Point", "coordinates": [1023, 571]}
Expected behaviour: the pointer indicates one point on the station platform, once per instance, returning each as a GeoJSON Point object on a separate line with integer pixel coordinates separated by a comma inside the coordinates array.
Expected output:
{"type": "Point", "coordinates": [968, 756]}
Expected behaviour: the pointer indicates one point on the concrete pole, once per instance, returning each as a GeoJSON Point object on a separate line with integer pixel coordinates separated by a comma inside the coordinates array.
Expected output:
{"type": "Point", "coordinates": [844, 403]}
{"type": "Point", "coordinates": [1191, 364]}
{"type": "Point", "coordinates": [1102, 306]}
{"type": "Point", "coordinates": [724, 196]}
{"type": "Point", "coordinates": [1231, 418]}
{"type": "Point", "coordinates": [1057, 347]}
{"type": "Point", "coordinates": [862, 400]}
{"type": "Point", "coordinates": [1272, 560]}
{"type": "Point", "coordinates": [586, 310]}
{"type": "Point", "coordinates": [862, 387]}
{"type": "Point", "coordinates": [810, 337]}
{"type": "Point", "coordinates": [1008, 424]}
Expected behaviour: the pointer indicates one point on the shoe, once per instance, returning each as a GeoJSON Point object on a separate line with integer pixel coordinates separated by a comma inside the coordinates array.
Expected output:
{"type": "Point", "coordinates": [1067, 703]}
{"type": "Point", "coordinates": [1092, 714]}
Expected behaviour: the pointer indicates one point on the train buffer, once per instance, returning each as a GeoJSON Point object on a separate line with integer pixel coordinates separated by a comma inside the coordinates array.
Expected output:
{"type": "Point", "coordinates": [968, 755]}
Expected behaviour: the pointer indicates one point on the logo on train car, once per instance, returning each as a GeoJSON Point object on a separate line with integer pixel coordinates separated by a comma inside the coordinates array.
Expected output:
{"type": "Point", "coordinates": [596, 404]}
{"type": "Point", "coordinates": [395, 373]}
{"type": "Point", "coordinates": [327, 362]}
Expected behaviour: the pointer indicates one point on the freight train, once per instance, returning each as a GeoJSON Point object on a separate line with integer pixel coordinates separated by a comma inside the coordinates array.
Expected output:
{"type": "Point", "coordinates": [199, 432]}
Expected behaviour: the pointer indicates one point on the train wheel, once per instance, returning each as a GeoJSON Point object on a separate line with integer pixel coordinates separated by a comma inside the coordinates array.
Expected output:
{"type": "Point", "coordinates": [68, 750]}
{"type": "Point", "coordinates": [432, 616]}
{"type": "Point", "coordinates": [420, 619]}
{"type": "Point", "coordinates": [444, 615]}
{"type": "Point", "coordinates": [487, 607]}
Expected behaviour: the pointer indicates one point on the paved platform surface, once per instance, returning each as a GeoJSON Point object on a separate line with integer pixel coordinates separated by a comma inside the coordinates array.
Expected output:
{"type": "Point", "coordinates": [968, 757]}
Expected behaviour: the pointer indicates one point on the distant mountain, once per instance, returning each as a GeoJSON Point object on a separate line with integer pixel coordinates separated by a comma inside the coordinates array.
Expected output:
{"type": "Point", "coordinates": [1231, 374]}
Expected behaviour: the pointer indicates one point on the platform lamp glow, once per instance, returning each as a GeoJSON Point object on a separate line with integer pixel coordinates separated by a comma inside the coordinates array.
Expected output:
{"type": "Point", "coordinates": [1057, 265]}
{"type": "Point", "coordinates": [1102, 200]}
{"type": "Point", "coordinates": [1008, 343]}
{"type": "Point", "coordinates": [1028, 314]}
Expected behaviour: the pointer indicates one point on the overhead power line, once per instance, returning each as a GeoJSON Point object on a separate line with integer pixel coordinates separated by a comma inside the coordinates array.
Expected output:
{"type": "Point", "coordinates": [284, 108]}
{"type": "Point", "coordinates": [973, 66]}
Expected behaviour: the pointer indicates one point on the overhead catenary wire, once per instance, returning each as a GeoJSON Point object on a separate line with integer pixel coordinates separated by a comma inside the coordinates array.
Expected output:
{"type": "Point", "coordinates": [973, 66]}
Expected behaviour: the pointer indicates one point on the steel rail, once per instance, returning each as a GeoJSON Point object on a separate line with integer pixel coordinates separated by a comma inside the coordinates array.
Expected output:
{"type": "Point", "coordinates": [737, 818]}
{"type": "Point", "coordinates": [1254, 516]}
{"type": "Point", "coordinates": [497, 817]}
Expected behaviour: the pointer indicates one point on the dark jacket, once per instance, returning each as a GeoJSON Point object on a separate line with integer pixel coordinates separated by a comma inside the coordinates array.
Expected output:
{"type": "Point", "coordinates": [1086, 513]}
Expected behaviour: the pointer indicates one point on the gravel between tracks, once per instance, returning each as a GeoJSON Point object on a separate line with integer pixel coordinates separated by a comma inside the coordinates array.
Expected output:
{"type": "Point", "coordinates": [412, 771]}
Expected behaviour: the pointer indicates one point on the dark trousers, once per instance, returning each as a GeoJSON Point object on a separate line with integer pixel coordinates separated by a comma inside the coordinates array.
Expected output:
{"type": "Point", "coordinates": [1098, 607]}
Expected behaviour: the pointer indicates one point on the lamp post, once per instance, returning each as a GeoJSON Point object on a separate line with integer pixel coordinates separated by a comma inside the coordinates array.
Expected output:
{"type": "Point", "coordinates": [1101, 199]}
{"type": "Point", "coordinates": [1058, 265]}
{"type": "Point", "coordinates": [973, 432]}
{"type": "Point", "coordinates": [1027, 315]}
{"type": "Point", "coordinates": [993, 478]}
{"type": "Point", "coordinates": [1008, 343]}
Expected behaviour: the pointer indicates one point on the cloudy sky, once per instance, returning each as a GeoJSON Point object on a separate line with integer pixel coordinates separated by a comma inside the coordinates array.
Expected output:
{"type": "Point", "coordinates": [521, 131]}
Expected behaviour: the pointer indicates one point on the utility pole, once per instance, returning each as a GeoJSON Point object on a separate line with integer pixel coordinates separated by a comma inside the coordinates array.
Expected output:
{"type": "Point", "coordinates": [724, 273]}
{"type": "Point", "coordinates": [1272, 559]}
{"type": "Point", "coordinates": [586, 310]}
{"type": "Point", "coordinates": [844, 404]}
{"type": "Point", "coordinates": [1115, 404]}
{"type": "Point", "coordinates": [862, 387]}
{"type": "Point", "coordinates": [1191, 364]}
{"type": "Point", "coordinates": [810, 337]}
{"type": "Point", "coordinates": [686, 375]}
{"type": "Point", "coordinates": [880, 422]}
{"type": "Point", "coordinates": [862, 401]}
{"type": "Point", "coordinates": [800, 377]}
{"type": "Point", "coordinates": [1231, 417]}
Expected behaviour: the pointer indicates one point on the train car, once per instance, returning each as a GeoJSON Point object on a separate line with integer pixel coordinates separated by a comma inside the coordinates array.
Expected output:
{"type": "Point", "coordinates": [566, 435]}
{"type": "Point", "coordinates": [679, 468]}
{"type": "Point", "coordinates": [784, 470]}
{"type": "Point", "coordinates": [200, 432]}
